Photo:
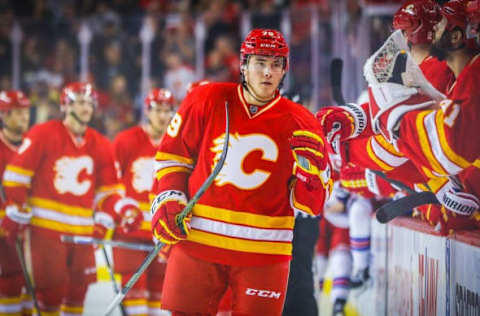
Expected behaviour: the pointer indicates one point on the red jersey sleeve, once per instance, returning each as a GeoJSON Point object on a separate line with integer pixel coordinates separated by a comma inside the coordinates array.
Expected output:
{"type": "Point", "coordinates": [20, 171]}
{"type": "Point", "coordinates": [440, 141]}
{"type": "Point", "coordinates": [178, 151]}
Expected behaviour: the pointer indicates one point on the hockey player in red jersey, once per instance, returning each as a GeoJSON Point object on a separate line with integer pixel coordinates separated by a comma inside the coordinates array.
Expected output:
{"type": "Point", "coordinates": [135, 150]}
{"type": "Point", "coordinates": [62, 172]}
{"type": "Point", "coordinates": [416, 19]}
{"type": "Point", "coordinates": [15, 114]}
{"type": "Point", "coordinates": [241, 229]}
{"type": "Point", "coordinates": [434, 138]}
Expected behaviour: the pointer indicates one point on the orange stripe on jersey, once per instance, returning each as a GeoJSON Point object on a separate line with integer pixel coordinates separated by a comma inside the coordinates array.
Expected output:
{"type": "Point", "coordinates": [61, 227]}
{"type": "Point", "coordinates": [425, 143]}
{"type": "Point", "coordinates": [476, 163]}
{"type": "Point", "coordinates": [168, 156]}
{"type": "Point", "coordinates": [19, 170]}
{"type": "Point", "coordinates": [375, 159]}
{"type": "Point", "coordinates": [387, 146]}
{"type": "Point", "coordinates": [117, 188]}
{"type": "Point", "coordinates": [253, 246]}
{"type": "Point", "coordinates": [13, 184]}
{"type": "Point", "coordinates": [244, 218]}
{"type": "Point", "coordinates": [460, 161]}
{"type": "Point", "coordinates": [60, 207]}
{"type": "Point", "coordinates": [163, 172]}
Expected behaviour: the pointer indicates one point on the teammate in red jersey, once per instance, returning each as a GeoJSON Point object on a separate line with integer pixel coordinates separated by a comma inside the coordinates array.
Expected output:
{"type": "Point", "coordinates": [435, 139]}
{"type": "Point", "coordinates": [416, 19]}
{"type": "Point", "coordinates": [135, 150]}
{"type": "Point", "coordinates": [62, 171]}
{"type": "Point", "coordinates": [15, 114]}
{"type": "Point", "coordinates": [241, 229]}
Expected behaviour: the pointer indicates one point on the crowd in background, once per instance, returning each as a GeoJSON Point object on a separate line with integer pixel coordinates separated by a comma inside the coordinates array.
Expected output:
{"type": "Point", "coordinates": [50, 52]}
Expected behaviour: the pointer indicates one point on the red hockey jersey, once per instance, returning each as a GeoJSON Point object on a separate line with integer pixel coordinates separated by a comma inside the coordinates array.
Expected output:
{"type": "Point", "coordinates": [7, 151]}
{"type": "Point", "coordinates": [61, 179]}
{"type": "Point", "coordinates": [376, 153]}
{"type": "Point", "coordinates": [135, 153]}
{"type": "Point", "coordinates": [246, 216]}
{"type": "Point", "coordinates": [442, 142]}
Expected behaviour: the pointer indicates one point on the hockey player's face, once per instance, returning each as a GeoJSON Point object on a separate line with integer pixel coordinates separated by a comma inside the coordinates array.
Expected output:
{"type": "Point", "coordinates": [16, 120]}
{"type": "Point", "coordinates": [82, 108]}
{"type": "Point", "coordinates": [159, 117]}
{"type": "Point", "coordinates": [441, 41]}
{"type": "Point", "coordinates": [263, 74]}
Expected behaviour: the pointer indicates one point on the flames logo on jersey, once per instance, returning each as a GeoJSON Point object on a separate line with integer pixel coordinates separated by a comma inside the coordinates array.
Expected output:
{"type": "Point", "coordinates": [67, 170]}
{"type": "Point", "coordinates": [143, 172]}
{"type": "Point", "coordinates": [239, 147]}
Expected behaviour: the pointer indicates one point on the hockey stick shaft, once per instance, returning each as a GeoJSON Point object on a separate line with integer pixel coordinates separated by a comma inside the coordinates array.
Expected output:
{"type": "Point", "coordinates": [403, 206]}
{"type": "Point", "coordinates": [84, 240]}
{"type": "Point", "coordinates": [336, 68]}
{"type": "Point", "coordinates": [188, 208]}
{"type": "Point", "coordinates": [112, 278]}
{"type": "Point", "coordinates": [28, 280]}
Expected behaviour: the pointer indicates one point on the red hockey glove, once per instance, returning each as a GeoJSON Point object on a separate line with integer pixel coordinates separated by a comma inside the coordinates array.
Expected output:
{"type": "Point", "coordinates": [445, 221]}
{"type": "Point", "coordinates": [352, 179]}
{"type": "Point", "coordinates": [341, 122]}
{"type": "Point", "coordinates": [130, 215]}
{"type": "Point", "coordinates": [389, 102]}
{"type": "Point", "coordinates": [15, 222]}
{"type": "Point", "coordinates": [165, 208]}
{"type": "Point", "coordinates": [311, 163]}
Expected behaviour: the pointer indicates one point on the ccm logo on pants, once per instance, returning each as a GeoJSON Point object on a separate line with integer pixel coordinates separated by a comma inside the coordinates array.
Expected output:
{"type": "Point", "coordinates": [263, 293]}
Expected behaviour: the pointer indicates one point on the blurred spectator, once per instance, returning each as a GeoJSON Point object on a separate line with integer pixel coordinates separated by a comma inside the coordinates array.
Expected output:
{"type": "Point", "coordinates": [32, 59]}
{"type": "Point", "coordinates": [223, 63]}
{"type": "Point", "coordinates": [45, 102]}
{"type": "Point", "coordinates": [264, 15]}
{"type": "Point", "coordinates": [178, 76]}
{"type": "Point", "coordinates": [113, 63]}
{"type": "Point", "coordinates": [220, 18]}
{"type": "Point", "coordinates": [6, 21]}
{"type": "Point", "coordinates": [118, 113]}
{"type": "Point", "coordinates": [179, 37]}
{"type": "Point", "coordinates": [5, 82]}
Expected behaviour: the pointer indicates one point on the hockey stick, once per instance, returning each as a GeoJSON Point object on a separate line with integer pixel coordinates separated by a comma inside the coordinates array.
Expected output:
{"type": "Point", "coordinates": [395, 208]}
{"type": "Point", "coordinates": [28, 280]}
{"type": "Point", "coordinates": [84, 240]}
{"type": "Point", "coordinates": [188, 208]}
{"type": "Point", "coordinates": [403, 206]}
{"type": "Point", "coordinates": [336, 68]}
{"type": "Point", "coordinates": [112, 278]}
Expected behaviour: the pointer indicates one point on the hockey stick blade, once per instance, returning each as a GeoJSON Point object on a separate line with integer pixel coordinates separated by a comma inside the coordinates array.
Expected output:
{"type": "Point", "coordinates": [336, 68]}
{"type": "Point", "coordinates": [404, 205]}
{"type": "Point", "coordinates": [188, 208]}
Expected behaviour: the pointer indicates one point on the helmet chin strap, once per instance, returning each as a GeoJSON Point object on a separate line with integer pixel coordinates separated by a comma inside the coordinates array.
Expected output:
{"type": "Point", "coordinates": [75, 116]}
